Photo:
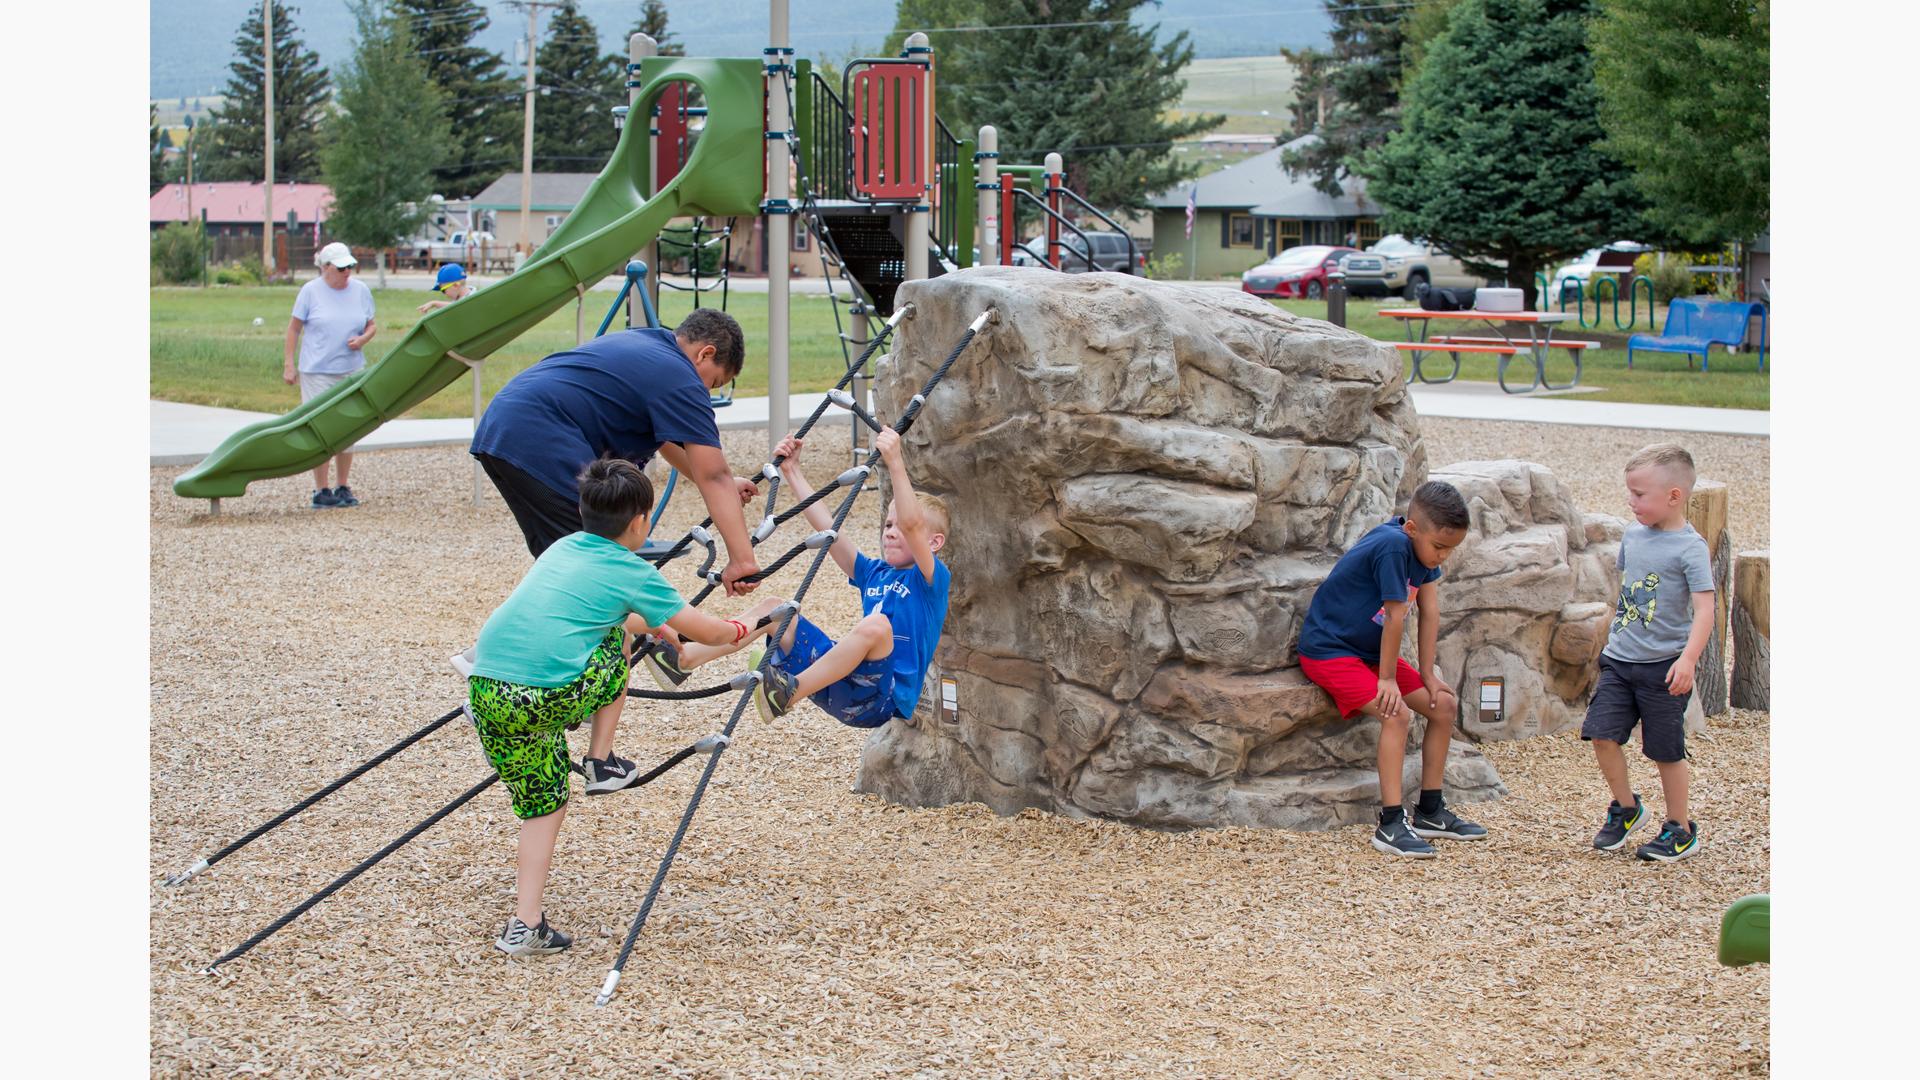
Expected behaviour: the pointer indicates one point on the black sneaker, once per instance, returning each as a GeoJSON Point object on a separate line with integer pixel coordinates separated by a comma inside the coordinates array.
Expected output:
{"type": "Point", "coordinates": [663, 660]}
{"type": "Point", "coordinates": [1621, 820]}
{"type": "Point", "coordinates": [323, 500]}
{"type": "Point", "coordinates": [1444, 824]}
{"type": "Point", "coordinates": [519, 939]}
{"type": "Point", "coordinates": [1397, 839]}
{"type": "Point", "coordinates": [774, 695]}
{"type": "Point", "coordinates": [1673, 844]}
{"type": "Point", "coordinates": [613, 773]}
{"type": "Point", "coordinates": [343, 496]}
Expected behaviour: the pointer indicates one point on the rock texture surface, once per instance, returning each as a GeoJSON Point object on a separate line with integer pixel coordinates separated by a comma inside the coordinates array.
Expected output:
{"type": "Point", "coordinates": [1147, 483]}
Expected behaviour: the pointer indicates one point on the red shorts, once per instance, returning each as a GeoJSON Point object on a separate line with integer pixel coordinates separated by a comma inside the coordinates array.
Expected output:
{"type": "Point", "coordinates": [1354, 683]}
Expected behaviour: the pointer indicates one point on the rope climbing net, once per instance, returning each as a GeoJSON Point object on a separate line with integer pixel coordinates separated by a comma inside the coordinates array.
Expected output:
{"type": "Point", "coordinates": [852, 482]}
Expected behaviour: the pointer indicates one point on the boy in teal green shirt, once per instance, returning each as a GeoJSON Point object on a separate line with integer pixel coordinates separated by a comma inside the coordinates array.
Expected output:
{"type": "Point", "coordinates": [556, 653]}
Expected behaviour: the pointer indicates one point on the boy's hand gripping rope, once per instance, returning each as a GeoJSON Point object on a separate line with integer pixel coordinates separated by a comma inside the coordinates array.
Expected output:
{"type": "Point", "coordinates": [907, 418]}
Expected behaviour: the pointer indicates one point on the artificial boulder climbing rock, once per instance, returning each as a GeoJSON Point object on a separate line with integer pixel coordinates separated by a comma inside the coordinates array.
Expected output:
{"type": "Point", "coordinates": [1147, 483]}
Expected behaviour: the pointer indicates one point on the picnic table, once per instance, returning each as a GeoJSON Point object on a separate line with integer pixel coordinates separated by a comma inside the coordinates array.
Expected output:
{"type": "Point", "coordinates": [1536, 345]}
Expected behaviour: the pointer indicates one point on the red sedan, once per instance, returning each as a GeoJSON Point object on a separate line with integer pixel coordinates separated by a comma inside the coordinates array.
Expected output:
{"type": "Point", "coordinates": [1297, 271]}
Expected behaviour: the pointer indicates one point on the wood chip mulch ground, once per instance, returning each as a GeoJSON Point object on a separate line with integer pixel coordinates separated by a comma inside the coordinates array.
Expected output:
{"type": "Point", "coordinates": [807, 931]}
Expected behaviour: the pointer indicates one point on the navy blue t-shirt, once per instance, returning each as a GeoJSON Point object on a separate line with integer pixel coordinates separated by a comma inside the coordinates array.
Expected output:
{"type": "Point", "coordinates": [917, 608]}
{"type": "Point", "coordinates": [622, 394]}
{"type": "Point", "coordinates": [1349, 609]}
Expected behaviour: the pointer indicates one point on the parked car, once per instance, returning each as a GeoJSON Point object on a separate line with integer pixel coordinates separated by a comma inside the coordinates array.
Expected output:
{"type": "Point", "coordinates": [1616, 258]}
{"type": "Point", "coordinates": [460, 247]}
{"type": "Point", "coordinates": [1109, 253]}
{"type": "Point", "coordinates": [1297, 271]}
{"type": "Point", "coordinates": [1396, 264]}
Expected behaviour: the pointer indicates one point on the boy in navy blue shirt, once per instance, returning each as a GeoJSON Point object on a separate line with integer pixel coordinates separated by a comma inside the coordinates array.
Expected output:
{"type": "Point", "coordinates": [874, 673]}
{"type": "Point", "coordinates": [1350, 647]}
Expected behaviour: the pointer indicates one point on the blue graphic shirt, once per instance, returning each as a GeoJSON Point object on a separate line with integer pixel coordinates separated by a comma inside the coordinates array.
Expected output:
{"type": "Point", "coordinates": [622, 394]}
{"type": "Point", "coordinates": [917, 609]}
{"type": "Point", "coordinates": [1349, 609]}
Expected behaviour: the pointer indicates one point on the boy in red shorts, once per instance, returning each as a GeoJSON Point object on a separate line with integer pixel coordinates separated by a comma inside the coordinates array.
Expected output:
{"type": "Point", "coordinates": [1350, 647]}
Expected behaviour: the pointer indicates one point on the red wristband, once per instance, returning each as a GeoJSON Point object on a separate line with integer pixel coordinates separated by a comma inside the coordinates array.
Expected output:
{"type": "Point", "coordinates": [739, 629]}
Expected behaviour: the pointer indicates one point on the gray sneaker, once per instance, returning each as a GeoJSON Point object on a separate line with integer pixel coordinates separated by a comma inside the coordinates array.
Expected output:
{"type": "Point", "coordinates": [323, 500]}
{"type": "Point", "coordinates": [519, 939]}
{"type": "Point", "coordinates": [1397, 839]}
{"type": "Point", "coordinates": [1444, 824]}
{"type": "Point", "coordinates": [343, 496]}
{"type": "Point", "coordinates": [614, 773]}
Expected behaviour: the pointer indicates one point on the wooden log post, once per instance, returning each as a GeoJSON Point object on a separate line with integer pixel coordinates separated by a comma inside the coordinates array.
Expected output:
{"type": "Point", "coordinates": [1751, 622]}
{"type": "Point", "coordinates": [1707, 513]}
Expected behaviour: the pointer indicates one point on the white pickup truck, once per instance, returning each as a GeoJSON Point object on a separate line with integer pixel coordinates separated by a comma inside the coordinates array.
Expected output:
{"type": "Point", "coordinates": [461, 247]}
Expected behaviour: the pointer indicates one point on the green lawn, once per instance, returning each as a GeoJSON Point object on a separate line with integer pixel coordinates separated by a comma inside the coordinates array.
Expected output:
{"type": "Point", "coordinates": [1655, 378]}
{"type": "Point", "coordinates": [206, 350]}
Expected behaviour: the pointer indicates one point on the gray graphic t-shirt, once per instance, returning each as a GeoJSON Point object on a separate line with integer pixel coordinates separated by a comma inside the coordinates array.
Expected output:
{"type": "Point", "coordinates": [1659, 570]}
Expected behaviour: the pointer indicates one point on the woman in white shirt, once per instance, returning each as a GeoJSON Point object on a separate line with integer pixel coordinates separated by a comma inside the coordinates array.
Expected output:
{"type": "Point", "coordinates": [332, 321]}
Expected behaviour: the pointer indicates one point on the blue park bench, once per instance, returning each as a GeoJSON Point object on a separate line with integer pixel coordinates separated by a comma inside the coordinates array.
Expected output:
{"type": "Point", "coordinates": [1695, 325]}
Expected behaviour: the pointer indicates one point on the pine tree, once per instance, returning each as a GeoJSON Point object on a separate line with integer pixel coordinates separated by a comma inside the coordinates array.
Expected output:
{"type": "Point", "coordinates": [483, 102]}
{"type": "Point", "coordinates": [572, 123]}
{"type": "Point", "coordinates": [1309, 88]}
{"type": "Point", "coordinates": [156, 151]}
{"type": "Point", "coordinates": [1498, 157]}
{"type": "Point", "coordinates": [1683, 100]}
{"type": "Point", "coordinates": [1096, 92]}
{"type": "Point", "coordinates": [300, 92]}
{"type": "Point", "coordinates": [653, 23]}
{"type": "Point", "coordinates": [391, 134]}
{"type": "Point", "coordinates": [1361, 76]}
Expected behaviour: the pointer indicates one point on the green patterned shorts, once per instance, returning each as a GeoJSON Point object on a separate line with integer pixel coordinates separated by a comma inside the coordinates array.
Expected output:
{"type": "Point", "coordinates": [523, 729]}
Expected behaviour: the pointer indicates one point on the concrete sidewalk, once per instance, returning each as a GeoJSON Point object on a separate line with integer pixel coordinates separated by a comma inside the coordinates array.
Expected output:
{"type": "Point", "coordinates": [184, 434]}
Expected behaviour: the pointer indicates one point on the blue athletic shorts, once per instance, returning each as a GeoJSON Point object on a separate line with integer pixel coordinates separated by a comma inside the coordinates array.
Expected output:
{"type": "Point", "coordinates": [864, 699]}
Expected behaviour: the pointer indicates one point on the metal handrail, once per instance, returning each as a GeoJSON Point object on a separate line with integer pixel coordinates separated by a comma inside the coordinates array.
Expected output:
{"type": "Point", "coordinates": [1133, 255]}
{"type": "Point", "coordinates": [832, 142]}
{"type": "Point", "coordinates": [1086, 255]}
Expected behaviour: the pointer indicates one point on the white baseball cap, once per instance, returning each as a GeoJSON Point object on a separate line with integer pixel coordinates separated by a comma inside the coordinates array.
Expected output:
{"type": "Point", "coordinates": [335, 254]}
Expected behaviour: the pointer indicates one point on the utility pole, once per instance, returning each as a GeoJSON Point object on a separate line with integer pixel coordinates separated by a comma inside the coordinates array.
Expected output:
{"type": "Point", "coordinates": [266, 231]}
{"type": "Point", "coordinates": [525, 244]}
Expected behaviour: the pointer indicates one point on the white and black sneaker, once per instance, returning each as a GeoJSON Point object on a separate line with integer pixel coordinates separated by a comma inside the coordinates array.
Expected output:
{"type": "Point", "coordinates": [609, 774]}
{"type": "Point", "coordinates": [519, 939]}
{"type": "Point", "coordinates": [1444, 824]}
{"type": "Point", "coordinates": [1395, 838]}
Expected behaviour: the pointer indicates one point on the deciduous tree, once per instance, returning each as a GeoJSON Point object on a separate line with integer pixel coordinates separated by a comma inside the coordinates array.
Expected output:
{"type": "Point", "coordinates": [1683, 100]}
{"type": "Point", "coordinates": [391, 134]}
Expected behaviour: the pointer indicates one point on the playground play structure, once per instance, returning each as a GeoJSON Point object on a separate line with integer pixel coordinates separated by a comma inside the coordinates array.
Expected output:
{"type": "Point", "coordinates": [737, 164]}
{"type": "Point", "coordinates": [889, 191]}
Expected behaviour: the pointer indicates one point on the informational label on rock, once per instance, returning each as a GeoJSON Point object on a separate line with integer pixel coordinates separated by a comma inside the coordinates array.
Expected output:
{"type": "Point", "coordinates": [949, 699]}
{"type": "Point", "coordinates": [1493, 693]}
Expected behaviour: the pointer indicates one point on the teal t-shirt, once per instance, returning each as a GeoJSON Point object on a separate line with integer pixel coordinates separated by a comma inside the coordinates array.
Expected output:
{"type": "Point", "coordinates": [578, 589]}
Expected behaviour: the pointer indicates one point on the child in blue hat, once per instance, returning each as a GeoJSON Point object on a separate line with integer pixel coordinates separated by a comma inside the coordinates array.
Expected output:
{"type": "Point", "coordinates": [453, 283]}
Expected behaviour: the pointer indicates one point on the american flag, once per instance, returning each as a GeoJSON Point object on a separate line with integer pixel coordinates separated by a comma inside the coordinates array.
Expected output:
{"type": "Point", "coordinates": [1192, 191]}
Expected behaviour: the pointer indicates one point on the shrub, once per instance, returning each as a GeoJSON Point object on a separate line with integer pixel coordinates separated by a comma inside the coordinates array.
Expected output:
{"type": "Point", "coordinates": [178, 252]}
{"type": "Point", "coordinates": [1165, 267]}
{"type": "Point", "coordinates": [1671, 278]}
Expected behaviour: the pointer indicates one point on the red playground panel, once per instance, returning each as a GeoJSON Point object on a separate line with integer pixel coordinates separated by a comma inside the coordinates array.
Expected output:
{"type": "Point", "coordinates": [888, 103]}
{"type": "Point", "coordinates": [672, 125]}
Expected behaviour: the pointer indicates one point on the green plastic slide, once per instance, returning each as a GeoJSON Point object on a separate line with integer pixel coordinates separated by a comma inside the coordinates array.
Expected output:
{"type": "Point", "coordinates": [725, 177]}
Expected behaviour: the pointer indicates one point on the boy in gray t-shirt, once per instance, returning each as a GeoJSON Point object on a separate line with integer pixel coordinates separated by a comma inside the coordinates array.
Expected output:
{"type": "Point", "coordinates": [1659, 628]}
